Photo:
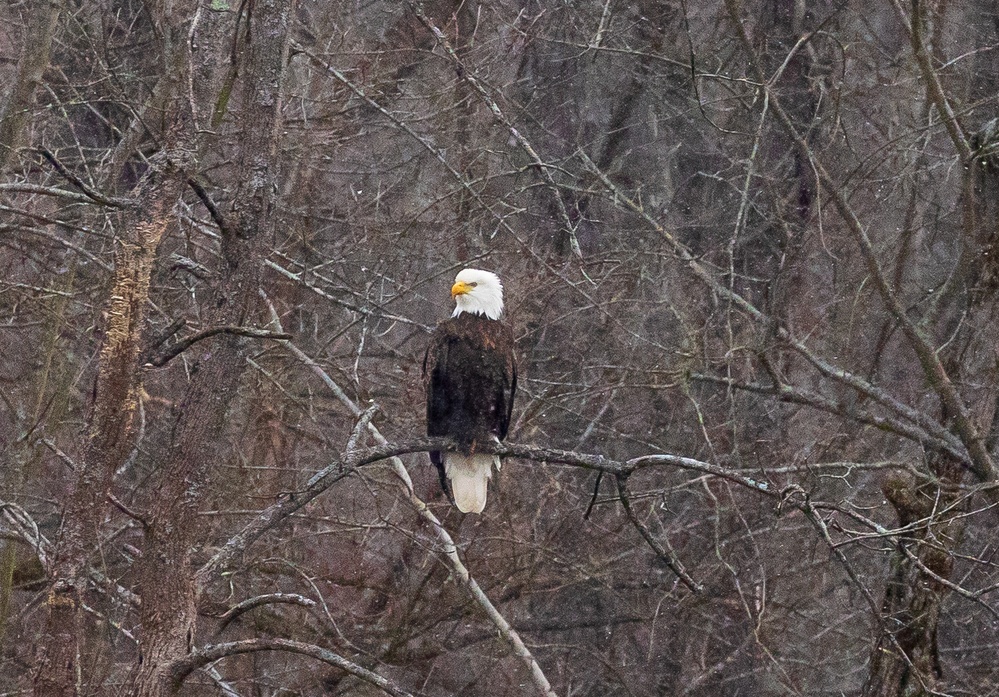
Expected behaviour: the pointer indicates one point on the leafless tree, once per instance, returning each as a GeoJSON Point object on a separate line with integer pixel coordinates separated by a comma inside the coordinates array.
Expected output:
{"type": "Point", "coordinates": [748, 250]}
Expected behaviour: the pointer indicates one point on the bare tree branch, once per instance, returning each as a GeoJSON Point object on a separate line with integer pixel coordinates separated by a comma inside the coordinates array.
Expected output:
{"type": "Point", "coordinates": [181, 668]}
{"type": "Point", "coordinates": [188, 342]}
{"type": "Point", "coordinates": [662, 550]}
{"type": "Point", "coordinates": [88, 191]}
{"type": "Point", "coordinates": [464, 73]}
{"type": "Point", "coordinates": [920, 341]}
{"type": "Point", "coordinates": [256, 601]}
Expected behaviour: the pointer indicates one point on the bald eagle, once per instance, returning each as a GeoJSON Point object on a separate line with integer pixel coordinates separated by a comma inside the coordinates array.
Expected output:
{"type": "Point", "coordinates": [470, 377]}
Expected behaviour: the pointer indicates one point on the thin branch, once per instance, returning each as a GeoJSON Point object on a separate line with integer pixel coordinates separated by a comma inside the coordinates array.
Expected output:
{"type": "Point", "coordinates": [289, 503]}
{"type": "Point", "coordinates": [706, 276]}
{"type": "Point", "coordinates": [788, 393]}
{"type": "Point", "coordinates": [24, 528]}
{"type": "Point", "coordinates": [499, 218]}
{"type": "Point", "coordinates": [213, 210]}
{"type": "Point", "coordinates": [183, 667]}
{"type": "Point", "coordinates": [919, 340]}
{"type": "Point", "coordinates": [813, 517]}
{"type": "Point", "coordinates": [226, 689]}
{"type": "Point", "coordinates": [257, 601]}
{"type": "Point", "coordinates": [934, 86]}
{"type": "Point", "coordinates": [361, 427]}
{"type": "Point", "coordinates": [961, 591]}
{"type": "Point", "coordinates": [117, 503]}
{"type": "Point", "coordinates": [23, 187]}
{"type": "Point", "coordinates": [185, 344]}
{"type": "Point", "coordinates": [299, 278]}
{"type": "Point", "coordinates": [162, 337]}
{"type": "Point", "coordinates": [53, 237]}
{"type": "Point", "coordinates": [596, 493]}
{"type": "Point", "coordinates": [449, 548]}
{"type": "Point", "coordinates": [663, 551]}
{"type": "Point", "coordinates": [470, 77]}
{"type": "Point", "coordinates": [89, 192]}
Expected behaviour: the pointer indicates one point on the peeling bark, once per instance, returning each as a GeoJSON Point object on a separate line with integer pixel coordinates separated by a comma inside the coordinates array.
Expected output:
{"type": "Point", "coordinates": [109, 437]}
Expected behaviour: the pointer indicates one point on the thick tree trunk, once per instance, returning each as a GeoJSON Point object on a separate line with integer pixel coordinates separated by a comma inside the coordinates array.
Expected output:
{"type": "Point", "coordinates": [905, 661]}
{"type": "Point", "coordinates": [167, 580]}
{"type": "Point", "coordinates": [109, 436]}
{"type": "Point", "coordinates": [110, 431]}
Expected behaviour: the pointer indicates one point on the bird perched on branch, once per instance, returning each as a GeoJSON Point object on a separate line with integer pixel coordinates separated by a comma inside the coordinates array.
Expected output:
{"type": "Point", "coordinates": [470, 377]}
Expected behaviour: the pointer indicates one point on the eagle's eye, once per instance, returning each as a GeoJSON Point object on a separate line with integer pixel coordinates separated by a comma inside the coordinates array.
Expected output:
{"type": "Point", "coordinates": [473, 284]}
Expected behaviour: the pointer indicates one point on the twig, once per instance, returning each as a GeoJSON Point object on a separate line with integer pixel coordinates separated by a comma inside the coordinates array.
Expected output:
{"type": "Point", "coordinates": [360, 427]}
{"type": "Point", "coordinates": [23, 187]}
{"type": "Point", "coordinates": [593, 499]}
{"type": "Point", "coordinates": [450, 549]}
{"type": "Point", "coordinates": [213, 210]}
{"type": "Point", "coordinates": [127, 511]}
{"type": "Point", "coordinates": [288, 504]}
{"type": "Point", "coordinates": [935, 89]}
{"type": "Point", "coordinates": [469, 76]}
{"type": "Point", "coordinates": [499, 217]}
{"type": "Point", "coordinates": [66, 459]}
{"type": "Point", "coordinates": [226, 689]}
{"type": "Point", "coordinates": [298, 278]}
{"type": "Point", "coordinates": [919, 340]}
{"type": "Point", "coordinates": [161, 337]}
{"type": "Point", "coordinates": [825, 368]}
{"type": "Point", "coordinates": [788, 393]}
{"type": "Point", "coordinates": [24, 528]}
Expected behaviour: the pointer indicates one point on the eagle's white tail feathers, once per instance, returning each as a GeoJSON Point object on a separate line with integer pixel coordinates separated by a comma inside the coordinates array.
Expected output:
{"type": "Point", "coordinates": [469, 476]}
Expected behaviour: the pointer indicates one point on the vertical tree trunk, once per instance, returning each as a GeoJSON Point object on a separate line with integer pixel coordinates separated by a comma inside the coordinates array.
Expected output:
{"type": "Point", "coordinates": [905, 660]}
{"type": "Point", "coordinates": [109, 436]}
{"type": "Point", "coordinates": [110, 431]}
{"type": "Point", "coordinates": [166, 577]}
{"type": "Point", "coordinates": [31, 64]}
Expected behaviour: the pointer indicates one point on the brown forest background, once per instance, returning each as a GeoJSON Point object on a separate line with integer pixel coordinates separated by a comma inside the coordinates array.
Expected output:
{"type": "Point", "coordinates": [749, 254]}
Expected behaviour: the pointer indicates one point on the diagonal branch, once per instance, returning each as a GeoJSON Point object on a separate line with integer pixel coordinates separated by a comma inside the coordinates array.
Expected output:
{"type": "Point", "coordinates": [469, 76]}
{"type": "Point", "coordinates": [934, 87]}
{"type": "Point", "coordinates": [323, 480]}
{"type": "Point", "coordinates": [500, 218]}
{"type": "Point", "coordinates": [663, 551]}
{"type": "Point", "coordinates": [290, 502]}
{"type": "Point", "coordinates": [89, 191]}
{"type": "Point", "coordinates": [450, 549]}
{"type": "Point", "coordinates": [788, 393]}
{"type": "Point", "coordinates": [919, 340]}
{"type": "Point", "coordinates": [827, 369]}
{"type": "Point", "coordinates": [27, 188]}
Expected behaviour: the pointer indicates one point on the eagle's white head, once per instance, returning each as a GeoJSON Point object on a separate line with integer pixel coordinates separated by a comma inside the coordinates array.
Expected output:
{"type": "Point", "coordinates": [478, 292]}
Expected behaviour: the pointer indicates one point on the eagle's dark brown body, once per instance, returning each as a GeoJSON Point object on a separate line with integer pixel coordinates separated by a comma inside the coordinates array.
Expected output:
{"type": "Point", "coordinates": [470, 378]}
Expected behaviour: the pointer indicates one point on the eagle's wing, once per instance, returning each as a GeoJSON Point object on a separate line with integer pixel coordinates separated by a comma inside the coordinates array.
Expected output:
{"type": "Point", "coordinates": [434, 364]}
{"type": "Point", "coordinates": [437, 406]}
{"type": "Point", "coordinates": [504, 398]}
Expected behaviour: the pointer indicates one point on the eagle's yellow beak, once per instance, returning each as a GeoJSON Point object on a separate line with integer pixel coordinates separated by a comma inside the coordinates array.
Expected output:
{"type": "Point", "coordinates": [460, 288]}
